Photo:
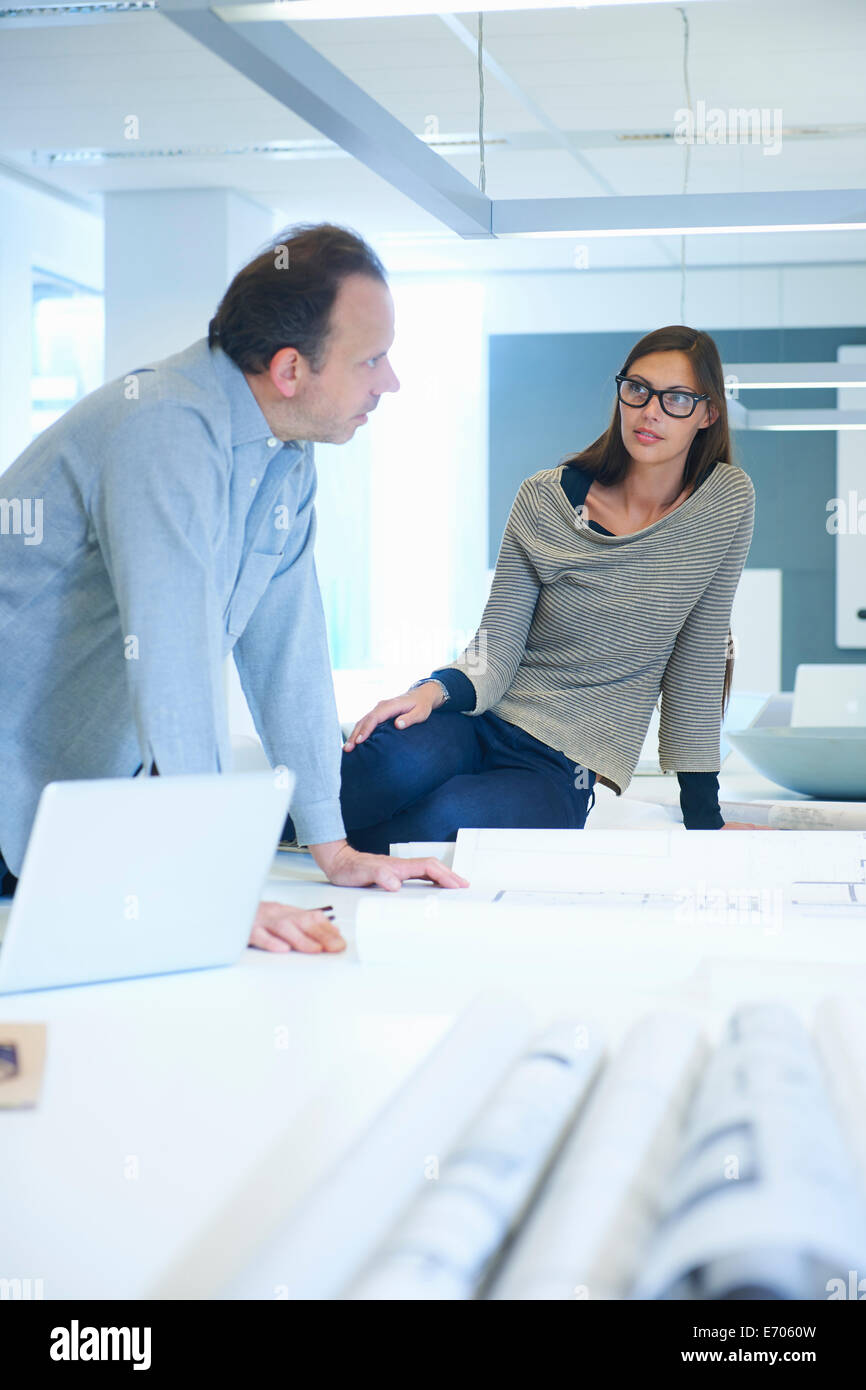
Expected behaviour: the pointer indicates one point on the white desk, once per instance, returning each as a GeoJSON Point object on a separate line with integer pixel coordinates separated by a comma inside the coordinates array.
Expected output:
{"type": "Point", "coordinates": [739, 785]}
{"type": "Point", "coordinates": [255, 1079]}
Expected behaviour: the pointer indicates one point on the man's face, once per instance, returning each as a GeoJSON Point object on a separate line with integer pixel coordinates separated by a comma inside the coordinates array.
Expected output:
{"type": "Point", "coordinates": [329, 405]}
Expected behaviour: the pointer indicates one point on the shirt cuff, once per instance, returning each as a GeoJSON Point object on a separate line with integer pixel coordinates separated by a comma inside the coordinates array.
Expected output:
{"type": "Point", "coordinates": [461, 691]}
{"type": "Point", "coordinates": [318, 823]}
{"type": "Point", "coordinates": [699, 800]}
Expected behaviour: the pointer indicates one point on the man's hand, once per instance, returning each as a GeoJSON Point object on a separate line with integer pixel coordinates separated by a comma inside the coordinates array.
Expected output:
{"type": "Point", "coordinates": [413, 707]}
{"type": "Point", "coordinates": [278, 927]}
{"type": "Point", "coordinates": [349, 868]}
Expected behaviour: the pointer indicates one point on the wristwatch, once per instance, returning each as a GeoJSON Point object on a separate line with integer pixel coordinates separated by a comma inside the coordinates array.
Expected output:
{"type": "Point", "coordinates": [426, 681]}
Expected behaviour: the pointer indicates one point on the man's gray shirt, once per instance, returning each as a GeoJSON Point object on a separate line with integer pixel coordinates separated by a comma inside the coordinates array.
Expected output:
{"type": "Point", "coordinates": [174, 529]}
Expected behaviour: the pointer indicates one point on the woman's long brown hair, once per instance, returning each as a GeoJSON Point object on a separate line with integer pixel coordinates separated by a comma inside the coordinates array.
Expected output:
{"type": "Point", "coordinates": [608, 460]}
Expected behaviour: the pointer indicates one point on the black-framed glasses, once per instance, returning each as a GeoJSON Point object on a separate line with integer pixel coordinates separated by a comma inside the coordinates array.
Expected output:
{"type": "Point", "coordinates": [680, 404]}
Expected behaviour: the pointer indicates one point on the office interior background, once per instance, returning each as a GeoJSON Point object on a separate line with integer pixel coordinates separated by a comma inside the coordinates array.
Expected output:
{"type": "Point", "coordinates": [141, 165]}
{"type": "Point", "coordinates": [545, 183]}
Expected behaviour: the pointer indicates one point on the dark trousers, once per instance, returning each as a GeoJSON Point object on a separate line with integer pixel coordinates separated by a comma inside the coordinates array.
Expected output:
{"type": "Point", "coordinates": [455, 770]}
{"type": "Point", "coordinates": [8, 881]}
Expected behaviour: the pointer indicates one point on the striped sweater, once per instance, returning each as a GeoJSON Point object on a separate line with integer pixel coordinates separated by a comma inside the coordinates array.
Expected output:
{"type": "Point", "coordinates": [583, 630]}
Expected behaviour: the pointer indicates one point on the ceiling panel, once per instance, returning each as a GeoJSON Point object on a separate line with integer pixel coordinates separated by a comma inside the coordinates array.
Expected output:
{"type": "Point", "coordinates": [68, 86]}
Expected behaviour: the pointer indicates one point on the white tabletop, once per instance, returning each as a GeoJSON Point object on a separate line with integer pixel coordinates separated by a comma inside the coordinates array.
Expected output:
{"type": "Point", "coordinates": [166, 1099]}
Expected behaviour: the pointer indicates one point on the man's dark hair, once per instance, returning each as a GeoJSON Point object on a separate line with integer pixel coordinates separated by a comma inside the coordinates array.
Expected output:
{"type": "Point", "coordinates": [284, 297]}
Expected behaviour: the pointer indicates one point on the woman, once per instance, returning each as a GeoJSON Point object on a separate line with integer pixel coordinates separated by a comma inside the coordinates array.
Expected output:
{"type": "Point", "coordinates": [614, 585]}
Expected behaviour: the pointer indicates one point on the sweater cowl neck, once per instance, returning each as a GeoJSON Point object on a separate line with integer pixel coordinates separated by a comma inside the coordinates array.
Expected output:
{"type": "Point", "coordinates": [697, 500]}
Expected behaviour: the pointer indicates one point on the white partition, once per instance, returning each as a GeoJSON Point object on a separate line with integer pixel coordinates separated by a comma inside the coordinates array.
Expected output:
{"type": "Point", "coordinates": [851, 535]}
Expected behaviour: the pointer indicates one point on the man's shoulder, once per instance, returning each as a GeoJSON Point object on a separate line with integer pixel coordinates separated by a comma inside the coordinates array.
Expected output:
{"type": "Point", "coordinates": [174, 392]}
{"type": "Point", "coordinates": [185, 378]}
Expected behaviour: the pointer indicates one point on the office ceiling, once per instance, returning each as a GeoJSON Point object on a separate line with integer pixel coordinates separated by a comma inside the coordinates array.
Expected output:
{"type": "Point", "coordinates": [610, 79]}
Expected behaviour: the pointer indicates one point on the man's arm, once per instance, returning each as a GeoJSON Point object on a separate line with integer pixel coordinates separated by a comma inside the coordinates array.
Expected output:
{"type": "Point", "coordinates": [285, 670]}
{"type": "Point", "coordinates": [158, 504]}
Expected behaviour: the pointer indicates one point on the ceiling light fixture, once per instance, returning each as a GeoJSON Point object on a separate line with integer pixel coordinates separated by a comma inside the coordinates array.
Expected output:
{"type": "Point", "coordinates": [682, 214]}
{"type": "Point", "coordinates": [580, 232]}
{"type": "Point", "coordinates": [803, 424]}
{"type": "Point", "coordinates": [294, 10]}
{"type": "Point", "coordinates": [87, 7]}
{"type": "Point", "coordinates": [793, 376]}
{"type": "Point", "coordinates": [740, 418]}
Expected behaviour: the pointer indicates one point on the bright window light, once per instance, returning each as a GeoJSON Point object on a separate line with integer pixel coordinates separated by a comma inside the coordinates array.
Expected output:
{"type": "Point", "coordinates": [67, 347]}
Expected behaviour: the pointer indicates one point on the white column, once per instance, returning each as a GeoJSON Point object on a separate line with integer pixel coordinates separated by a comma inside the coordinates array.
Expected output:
{"type": "Point", "coordinates": [851, 533]}
{"type": "Point", "coordinates": [169, 255]}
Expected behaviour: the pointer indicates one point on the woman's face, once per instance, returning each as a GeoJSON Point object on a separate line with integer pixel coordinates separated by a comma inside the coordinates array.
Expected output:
{"type": "Point", "coordinates": [648, 433]}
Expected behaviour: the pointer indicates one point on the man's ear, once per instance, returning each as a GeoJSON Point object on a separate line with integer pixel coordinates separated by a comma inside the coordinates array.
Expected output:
{"type": "Point", "coordinates": [284, 371]}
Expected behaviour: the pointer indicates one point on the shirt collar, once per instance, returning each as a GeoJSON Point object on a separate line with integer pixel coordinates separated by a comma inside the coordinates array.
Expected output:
{"type": "Point", "coordinates": [247, 420]}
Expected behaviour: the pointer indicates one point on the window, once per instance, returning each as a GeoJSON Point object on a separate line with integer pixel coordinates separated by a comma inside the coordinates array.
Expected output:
{"type": "Point", "coordinates": [68, 337]}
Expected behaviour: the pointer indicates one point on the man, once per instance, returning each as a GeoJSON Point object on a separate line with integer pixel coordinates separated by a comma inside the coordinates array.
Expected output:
{"type": "Point", "coordinates": [178, 524]}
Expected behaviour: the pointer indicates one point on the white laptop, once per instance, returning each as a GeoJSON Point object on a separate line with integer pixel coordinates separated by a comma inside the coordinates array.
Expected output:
{"type": "Point", "coordinates": [140, 876]}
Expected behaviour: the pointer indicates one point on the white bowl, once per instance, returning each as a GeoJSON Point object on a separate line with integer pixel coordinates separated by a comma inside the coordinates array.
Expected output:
{"type": "Point", "coordinates": [826, 763]}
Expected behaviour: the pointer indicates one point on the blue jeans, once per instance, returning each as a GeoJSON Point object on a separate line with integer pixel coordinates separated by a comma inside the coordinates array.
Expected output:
{"type": "Point", "coordinates": [8, 881]}
{"type": "Point", "coordinates": [454, 770]}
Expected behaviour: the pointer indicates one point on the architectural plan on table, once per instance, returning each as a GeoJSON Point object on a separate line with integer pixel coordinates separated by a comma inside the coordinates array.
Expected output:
{"type": "Point", "coordinates": [556, 868]}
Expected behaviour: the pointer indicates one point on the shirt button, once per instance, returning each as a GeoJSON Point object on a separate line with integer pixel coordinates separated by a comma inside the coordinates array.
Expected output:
{"type": "Point", "coordinates": [254, 482]}
{"type": "Point", "coordinates": [272, 442]}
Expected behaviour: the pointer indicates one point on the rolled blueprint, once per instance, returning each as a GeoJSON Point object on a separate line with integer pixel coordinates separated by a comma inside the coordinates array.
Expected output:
{"type": "Point", "coordinates": [765, 1200]}
{"type": "Point", "coordinates": [840, 1034]}
{"type": "Point", "coordinates": [446, 1241]}
{"type": "Point", "coordinates": [583, 1236]}
{"type": "Point", "coordinates": [320, 1247]}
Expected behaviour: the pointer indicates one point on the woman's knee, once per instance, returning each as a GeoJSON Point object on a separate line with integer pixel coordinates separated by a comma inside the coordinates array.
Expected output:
{"type": "Point", "coordinates": [367, 772]}
{"type": "Point", "coordinates": [394, 767]}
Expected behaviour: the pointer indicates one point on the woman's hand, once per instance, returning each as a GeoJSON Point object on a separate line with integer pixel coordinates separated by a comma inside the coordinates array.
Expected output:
{"type": "Point", "coordinates": [278, 927]}
{"type": "Point", "coordinates": [411, 708]}
{"type": "Point", "coordinates": [745, 825]}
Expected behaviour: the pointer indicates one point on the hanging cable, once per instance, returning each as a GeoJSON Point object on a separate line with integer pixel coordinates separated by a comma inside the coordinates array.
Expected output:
{"type": "Point", "coordinates": [686, 162]}
{"type": "Point", "coordinates": [482, 173]}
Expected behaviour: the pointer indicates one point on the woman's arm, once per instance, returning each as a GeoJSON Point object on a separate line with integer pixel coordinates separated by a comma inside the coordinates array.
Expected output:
{"type": "Point", "coordinates": [699, 800]}
{"type": "Point", "coordinates": [480, 676]}
{"type": "Point", "coordinates": [691, 687]}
